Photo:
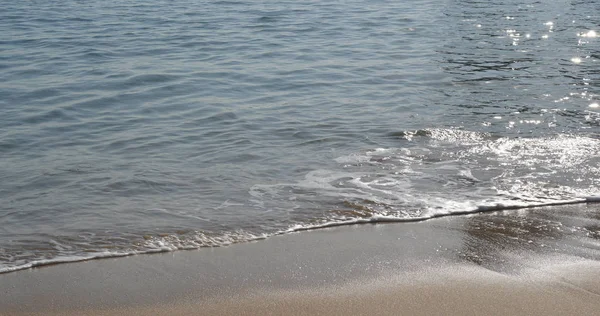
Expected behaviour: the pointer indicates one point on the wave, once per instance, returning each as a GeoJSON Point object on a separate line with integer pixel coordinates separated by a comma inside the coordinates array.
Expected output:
{"type": "Point", "coordinates": [154, 245]}
{"type": "Point", "coordinates": [431, 174]}
{"type": "Point", "coordinates": [165, 246]}
{"type": "Point", "coordinates": [480, 209]}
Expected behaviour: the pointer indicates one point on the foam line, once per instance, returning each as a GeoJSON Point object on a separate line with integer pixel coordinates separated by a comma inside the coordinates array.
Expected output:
{"type": "Point", "coordinates": [299, 228]}
{"type": "Point", "coordinates": [479, 209]}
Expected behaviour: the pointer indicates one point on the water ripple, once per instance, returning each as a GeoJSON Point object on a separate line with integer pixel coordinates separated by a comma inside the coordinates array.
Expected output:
{"type": "Point", "coordinates": [143, 126]}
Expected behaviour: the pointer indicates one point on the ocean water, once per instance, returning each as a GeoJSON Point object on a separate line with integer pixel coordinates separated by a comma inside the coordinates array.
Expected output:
{"type": "Point", "coordinates": [145, 126]}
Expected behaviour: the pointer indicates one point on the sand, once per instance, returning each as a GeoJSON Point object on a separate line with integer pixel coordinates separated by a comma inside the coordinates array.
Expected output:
{"type": "Point", "coordinates": [459, 290]}
{"type": "Point", "coordinates": [532, 262]}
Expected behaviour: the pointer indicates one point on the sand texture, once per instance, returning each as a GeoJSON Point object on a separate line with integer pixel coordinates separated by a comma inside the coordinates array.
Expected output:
{"type": "Point", "coordinates": [510, 263]}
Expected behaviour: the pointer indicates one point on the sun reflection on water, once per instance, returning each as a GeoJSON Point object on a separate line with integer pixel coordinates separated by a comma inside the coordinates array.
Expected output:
{"type": "Point", "coordinates": [590, 33]}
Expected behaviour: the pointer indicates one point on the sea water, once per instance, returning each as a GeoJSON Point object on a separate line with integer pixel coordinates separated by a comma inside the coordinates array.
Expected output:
{"type": "Point", "coordinates": [145, 126]}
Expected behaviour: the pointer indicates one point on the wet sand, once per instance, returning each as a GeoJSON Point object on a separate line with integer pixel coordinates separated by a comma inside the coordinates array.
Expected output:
{"type": "Point", "coordinates": [536, 261]}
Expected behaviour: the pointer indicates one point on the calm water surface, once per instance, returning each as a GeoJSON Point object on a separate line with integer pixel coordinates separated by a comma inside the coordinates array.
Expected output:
{"type": "Point", "coordinates": [141, 126]}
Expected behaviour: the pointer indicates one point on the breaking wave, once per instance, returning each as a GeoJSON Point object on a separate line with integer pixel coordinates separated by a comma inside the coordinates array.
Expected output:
{"type": "Point", "coordinates": [430, 174]}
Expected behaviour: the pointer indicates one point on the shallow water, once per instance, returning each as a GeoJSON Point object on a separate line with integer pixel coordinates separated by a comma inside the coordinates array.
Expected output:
{"type": "Point", "coordinates": [137, 126]}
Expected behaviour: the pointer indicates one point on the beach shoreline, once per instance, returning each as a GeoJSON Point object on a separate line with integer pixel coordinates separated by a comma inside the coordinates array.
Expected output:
{"type": "Point", "coordinates": [494, 264]}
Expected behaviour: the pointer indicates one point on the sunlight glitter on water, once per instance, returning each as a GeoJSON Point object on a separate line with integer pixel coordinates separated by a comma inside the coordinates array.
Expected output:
{"type": "Point", "coordinates": [229, 126]}
{"type": "Point", "coordinates": [590, 33]}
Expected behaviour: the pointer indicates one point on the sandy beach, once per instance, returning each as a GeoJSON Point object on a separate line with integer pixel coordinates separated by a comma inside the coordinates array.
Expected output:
{"type": "Point", "coordinates": [526, 262]}
{"type": "Point", "coordinates": [186, 157]}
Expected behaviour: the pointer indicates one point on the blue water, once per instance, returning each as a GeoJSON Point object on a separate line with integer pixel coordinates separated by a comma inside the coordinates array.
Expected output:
{"type": "Point", "coordinates": [140, 126]}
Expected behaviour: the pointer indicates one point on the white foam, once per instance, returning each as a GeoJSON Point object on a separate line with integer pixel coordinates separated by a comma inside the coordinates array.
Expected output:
{"type": "Point", "coordinates": [151, 245]}
{"type": "Point", "coordinates": [173, 243]}
{"type": "Point", "coordinates": [62, 259]}
{"type": "Point", "coordinates": [451, 173]}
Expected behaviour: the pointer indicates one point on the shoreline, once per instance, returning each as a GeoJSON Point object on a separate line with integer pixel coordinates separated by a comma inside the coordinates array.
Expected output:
{"type": "Point", "coordinates": [474, 264]}
{"type": "Point", "coordinates": [591, 200]}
